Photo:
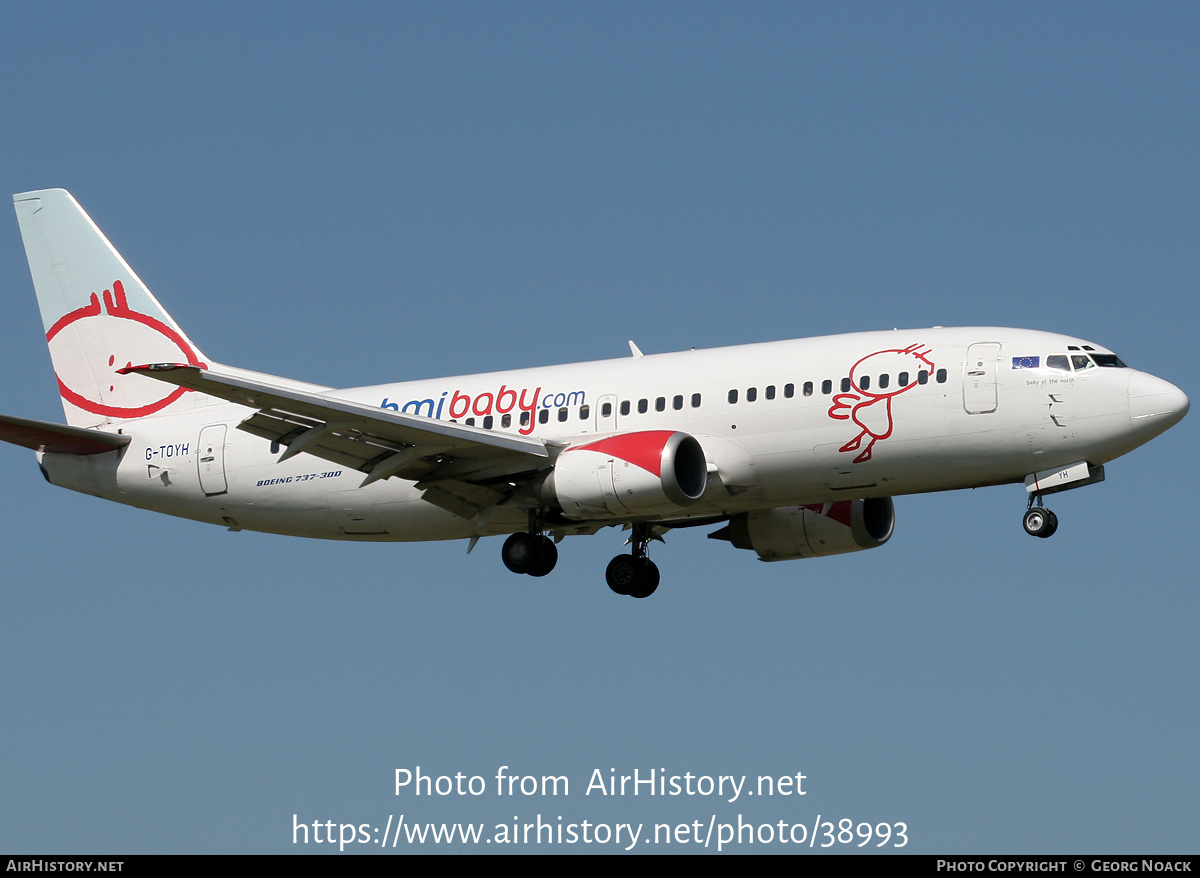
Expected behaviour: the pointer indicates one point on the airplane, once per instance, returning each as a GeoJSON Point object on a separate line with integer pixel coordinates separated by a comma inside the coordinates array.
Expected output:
{"type": "Point", "coordinates": [790, 449]}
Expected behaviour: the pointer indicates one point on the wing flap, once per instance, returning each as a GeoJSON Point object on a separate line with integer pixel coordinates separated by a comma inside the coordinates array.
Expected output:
{"type": "Point", "coordinates": [375, 441]}
{"type": "Point", "coordinates": [463, 499]}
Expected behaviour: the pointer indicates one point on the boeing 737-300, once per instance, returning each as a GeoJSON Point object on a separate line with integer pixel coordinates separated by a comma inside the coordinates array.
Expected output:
{"type": "Point", "coordinates": [790, 449]}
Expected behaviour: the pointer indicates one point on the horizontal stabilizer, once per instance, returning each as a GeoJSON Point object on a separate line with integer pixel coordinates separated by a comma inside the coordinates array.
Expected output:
{"type": "Point", "coordinates": [58, 438]}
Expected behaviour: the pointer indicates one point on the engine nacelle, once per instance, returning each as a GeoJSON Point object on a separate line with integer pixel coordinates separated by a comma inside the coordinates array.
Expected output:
{"type": "Point", "coordinates": [630, 474]}
{"type": "Point", "coordinates": [812, 531]}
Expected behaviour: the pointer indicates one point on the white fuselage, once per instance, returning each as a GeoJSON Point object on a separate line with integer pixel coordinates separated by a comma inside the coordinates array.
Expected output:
{"type": "Point", "coordinates": [777, 423]}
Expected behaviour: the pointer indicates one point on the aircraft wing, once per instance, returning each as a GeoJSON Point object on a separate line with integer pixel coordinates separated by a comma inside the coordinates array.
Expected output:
{"type": "Point", "coordinates": [375, 441]}
{"type": "Point", "coordinates": [58, 438]}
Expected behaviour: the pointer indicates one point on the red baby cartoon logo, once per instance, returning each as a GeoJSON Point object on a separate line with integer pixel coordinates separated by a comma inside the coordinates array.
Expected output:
{"type": "Point", "coordinates": [876, 379]}
{"type": "Point", "coordinates": [101, 341]}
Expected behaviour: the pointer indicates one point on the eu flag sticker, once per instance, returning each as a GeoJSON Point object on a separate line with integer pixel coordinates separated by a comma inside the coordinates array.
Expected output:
{"type": "Point", "coordinates": [1026, 362]}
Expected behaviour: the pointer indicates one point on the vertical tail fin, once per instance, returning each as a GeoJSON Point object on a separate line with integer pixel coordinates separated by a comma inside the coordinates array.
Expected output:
{"type": "Point", "coordinates": [98, 316]}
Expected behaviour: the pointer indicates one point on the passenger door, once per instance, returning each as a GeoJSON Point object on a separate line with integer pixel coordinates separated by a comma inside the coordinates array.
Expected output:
{"type": "Point", "coordinates": [979, 377]}
{"type": "Point", "coordinates": [211, 460]}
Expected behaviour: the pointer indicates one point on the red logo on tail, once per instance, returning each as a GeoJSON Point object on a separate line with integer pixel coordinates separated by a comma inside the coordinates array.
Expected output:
{"type": "Point", "coordinates": [124, 333]}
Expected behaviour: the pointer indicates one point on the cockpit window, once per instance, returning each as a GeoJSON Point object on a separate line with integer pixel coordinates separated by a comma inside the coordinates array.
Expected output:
{"type": "Point", "coordinates": [1080, 362]}
{"type": "Point", "coordinates": [1058, 362]}
{"type": "Point", "coordinates": [1111, 361]}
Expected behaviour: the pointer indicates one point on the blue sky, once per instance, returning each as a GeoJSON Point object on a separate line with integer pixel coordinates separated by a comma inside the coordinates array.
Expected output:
{"type": "Point", "coordinates": [356, 193]}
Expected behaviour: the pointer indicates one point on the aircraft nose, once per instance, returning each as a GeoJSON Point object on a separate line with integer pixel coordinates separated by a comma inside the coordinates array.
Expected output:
{"type": "Point", "coordinates": [1154, 405]}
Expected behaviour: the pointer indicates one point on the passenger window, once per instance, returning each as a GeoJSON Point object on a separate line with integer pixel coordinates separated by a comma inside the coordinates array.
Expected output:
{"type": "Point", "coordinates": [643, 406]}
{"type": "Point", "coordinates": [845, 385]}
{"type": "Point", "coordinates": [789, 390]}
{"type": "Point", "coordinates": [865, 382]}
{"type": "Point", "coordinates": [808, 388]}
{"type": "Point", "coordinates": [827, 387]}
{"type": "Point", "coordinates": [487, 422]}
{"type": "Point", "coordinates": [506, 421]}
{"type": "Point", "coordinates": [470, 422]}
{"type": "Point", "coordinates": [584, 411]}
{"type": "Point", "coordinates": [524, 419]}
{"type": "Point", "coordinates": [1058, 363]}
{"type": "Point", "coordinates": [1081, 362]}
{"type": "Point", "coordinates": [695, 400]}
{"type": "Point", "coordinates": [941, 376]}
{"type": "Point", "coordinates": [677, 402]}
{"type": "Point", "coordinates": [923, 376]}
{"type": "Point", "coordinates": [624, 406]}
{"type": "Point", "coordinates": [770, 391]}
{"type": "Point", "coordinates": [733, 396]}
{"type": "Point", "coordinates": [606, 410]}
{"type": "Point", "coordinates": [751, 394]}
{"type": "Point", "coordinates": [544, 416]}
{"type": "Point", "coordinates": [902, 378]}
{"type": "Point", "coordinates": [562, 414]}
{"type": "Point", "coordinates": [660, 404]}
{"type": "Point", "coordinates": [884, 380]}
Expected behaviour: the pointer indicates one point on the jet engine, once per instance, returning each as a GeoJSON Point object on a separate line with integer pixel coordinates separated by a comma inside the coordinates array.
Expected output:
{"type": "Point", "coordinates": [812, 531]}
{"type": "Point", "coordinates": [629, 474]}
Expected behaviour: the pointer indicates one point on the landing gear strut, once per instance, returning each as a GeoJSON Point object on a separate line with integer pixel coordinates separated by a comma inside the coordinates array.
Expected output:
{"type": "Point", "coordinates": [530, 552]}
{"type": "Point", "coordinates": [1039, 521]}
{"type": "Point", "coordinates": [634, 574]}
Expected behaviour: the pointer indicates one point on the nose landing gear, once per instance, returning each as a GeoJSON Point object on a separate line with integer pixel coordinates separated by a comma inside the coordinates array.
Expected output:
{"type": "Point", "coordinates": [1039, 521]}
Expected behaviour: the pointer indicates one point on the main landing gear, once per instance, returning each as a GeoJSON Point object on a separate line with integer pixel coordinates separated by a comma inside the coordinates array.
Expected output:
{"type": "Point", "coordinates": [533, 553]}
{"type": "Point", "coordinates": [634, 574]}
{"type": "Point", "coordinates": [530, 552]}
{"type": "Point", "coordinates": [1039, 521]}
